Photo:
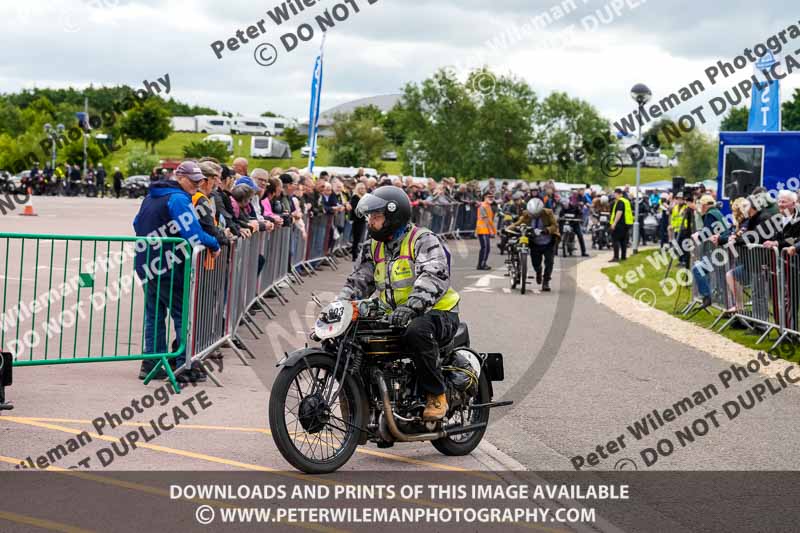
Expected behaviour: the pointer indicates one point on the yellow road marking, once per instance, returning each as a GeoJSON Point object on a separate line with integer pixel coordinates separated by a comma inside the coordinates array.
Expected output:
{"type": "Point", "coordinates": [231, 462]}
{"type": "Point", "coordinates": [154, 491]}
{"type": "Point", "coordinates": [41, 523]}
{"type": "Point", "coordinates": [365, 451]}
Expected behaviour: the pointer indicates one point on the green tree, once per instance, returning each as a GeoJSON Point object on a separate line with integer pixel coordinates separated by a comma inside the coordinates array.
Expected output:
{"type": "Point", "coordinates": [74, 153]}
{"type": "Point", "coordinates": [140, 162]}
{"type": "Point", "coordinates": [268, 114]}
{"type": "Point", "coordinates": [198, 149]}
{"type": "Point", "coordinates": [357, 142]}
{"type": "Point", "coordinates": [790, 113]}
{"type": "Point", "coordinates": [572, 141]}
{"type": "Point", "coordinates": [698, 161]}
{"type": "Point", "coordinates": [295, 139]}
{"type": "Point", "coordinates": [736, 119]}
{"type": "Point", "coordinates": [149, 122]}
{"type": "Point", "coordinates": [470, 129]}
{"type": "Point", "coordinates": [368, 112]}
{"type": "Point", "coordinates": [11, 120]}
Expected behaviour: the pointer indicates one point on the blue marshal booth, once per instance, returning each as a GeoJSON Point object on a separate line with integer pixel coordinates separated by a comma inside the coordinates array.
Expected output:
{"type": "Point", "coordinates": [751, 159]}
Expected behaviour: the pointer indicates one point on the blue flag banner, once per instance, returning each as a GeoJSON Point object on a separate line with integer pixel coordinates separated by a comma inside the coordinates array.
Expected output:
{"type": "Point", "coordinates": [313, 120]}
{"type": "Point", "coordinates": [765, 106]}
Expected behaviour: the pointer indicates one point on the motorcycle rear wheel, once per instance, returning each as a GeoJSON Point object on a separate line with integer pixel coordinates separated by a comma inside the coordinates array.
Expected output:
{"type": "Point", "coordinates": [466, 442]}
{"type": "Point", "coordinates": [523, 271]}
{"type": "Point", "coordinates": [334, 437]}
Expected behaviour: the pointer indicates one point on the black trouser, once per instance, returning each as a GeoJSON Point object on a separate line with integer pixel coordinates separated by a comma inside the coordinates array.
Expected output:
{"type": "Point", "coordinates": [358, 236]}
{"type": "Point", "coordinates": [485, 243]}
{"type": "Point", "coordinates": [423, 337]}
{"type": "Point", "coordinates": [547, 253]}
{"type": "Point", "coordinates": [619, 239]}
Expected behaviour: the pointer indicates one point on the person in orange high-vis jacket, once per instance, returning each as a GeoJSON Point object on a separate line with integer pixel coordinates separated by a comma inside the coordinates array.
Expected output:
{"type": "Point", "coordinates": [485, 229]}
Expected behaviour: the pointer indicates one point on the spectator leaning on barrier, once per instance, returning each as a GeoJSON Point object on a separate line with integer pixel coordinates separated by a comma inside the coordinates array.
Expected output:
{"type": "Point", "coordinates": [713, 223]}
{"type": "Point", "coordinates": [168, 208]}
{"type": "Point", "coordinates": [789, 234]}
{"type": "Point", "coordinates": [621, 221]}
{"type": "Point", "coordinates": [359, 223]}
{"type": "Point", "coordinates": [205, 208]}
{"type": "Point", "coordinates": [485, 229]}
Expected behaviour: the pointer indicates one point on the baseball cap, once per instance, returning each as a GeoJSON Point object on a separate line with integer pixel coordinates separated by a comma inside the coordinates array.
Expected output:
{"type": "Point", "coordinates": [246, 180]}
{"type": "Point", "coordinates": [191, 170]}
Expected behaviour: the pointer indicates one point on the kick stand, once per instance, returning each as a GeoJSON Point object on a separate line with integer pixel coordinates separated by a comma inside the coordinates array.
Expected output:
{"type": "Point", "coordinates": [6, 360]}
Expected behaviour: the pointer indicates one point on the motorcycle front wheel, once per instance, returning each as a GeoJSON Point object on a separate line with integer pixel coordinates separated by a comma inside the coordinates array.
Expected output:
{"type": "Point", "coordinates": [523, 271]}
{"type": "Point", "coordinates": [313, 436]}
{"type": "Point", "coordinates": [466, 442]}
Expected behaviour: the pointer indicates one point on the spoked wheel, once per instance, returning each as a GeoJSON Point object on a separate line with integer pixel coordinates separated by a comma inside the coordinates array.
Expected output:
{"type": "Point", "coordinates": [513, 273]}
{"type": "Point", "coordinates": [315, 417]}
{"type": "Point", "coordinates": [523, 271]}
{"type": "Point", "coordinates": [466, 442]}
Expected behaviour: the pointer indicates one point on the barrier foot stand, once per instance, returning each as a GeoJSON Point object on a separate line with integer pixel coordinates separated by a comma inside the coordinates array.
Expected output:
{"type": "Point", "coordinates": [309, 269]}
{"type": "Point", "coordinates": [163, 363]}
{"type": "Point", "coordinates": [697, 310]}
{"type": "Point", "coordinates": [209, 372]}
{"type": "Point", "coordinates": [258, 306]}
{"type": "Point", "coordinates": [254, 324]}
{"type": "Point", "coordinates": [289, 285]}
{"type": "Point", "coordinates": [688, 307]}
{"type": "Point", "coordinates": [247, 325]}
{"type": "Point", "coordinates": [717, 320]}
{"type": "Point", "coordinates": [267, 309]}
{"type": "Point", "coordinates": [765, 335]}
{"type": "Point", "coordinates": [296, 276]}
{"type": "Point", "coordinates": [279, 295]}
{"type": "Point", "coordinates": [778, 342]}
{"type": "Point", "coordinates": [236, 350]}
{"type": "Point", "coordinates": [246, 348]}
{"type": "Point", "coordinates": [726, 324]}
{"type": "Point", "coordinates": [330, 262]}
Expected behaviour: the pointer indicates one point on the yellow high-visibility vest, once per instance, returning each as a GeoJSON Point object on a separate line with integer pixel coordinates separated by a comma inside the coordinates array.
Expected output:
{"type": "Point", "coordinates": [401, 280]}
{"type": "Point", "coordinates": [628, 212]}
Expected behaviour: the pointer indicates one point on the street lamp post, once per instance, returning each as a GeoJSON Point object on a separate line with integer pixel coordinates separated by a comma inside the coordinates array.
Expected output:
{"type": "Point", "coordinates": [641, 95]}
{"type": "Point", "coordinates": [53, 134]}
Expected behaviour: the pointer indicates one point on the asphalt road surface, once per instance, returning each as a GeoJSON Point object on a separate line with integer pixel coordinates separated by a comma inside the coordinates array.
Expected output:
{"type": "Point", "coordinates": [579, 375]}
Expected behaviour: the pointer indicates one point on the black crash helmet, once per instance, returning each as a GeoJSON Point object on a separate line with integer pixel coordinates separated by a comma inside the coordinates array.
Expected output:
{"type": "Point", "coordinates": [395, 206]}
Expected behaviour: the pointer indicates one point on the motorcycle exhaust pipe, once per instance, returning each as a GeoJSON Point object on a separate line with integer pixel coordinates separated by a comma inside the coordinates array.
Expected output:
{"type": "Point", "coordinates": [392, 423]}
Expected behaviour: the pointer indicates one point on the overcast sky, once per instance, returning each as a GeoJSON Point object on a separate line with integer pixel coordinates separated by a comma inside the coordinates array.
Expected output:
{"type": "Point", "coordinates": [663, 43]}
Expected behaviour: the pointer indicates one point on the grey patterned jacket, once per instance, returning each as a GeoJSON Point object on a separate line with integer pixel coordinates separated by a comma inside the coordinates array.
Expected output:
{"type": "Point", "coordinates": [430, 266]}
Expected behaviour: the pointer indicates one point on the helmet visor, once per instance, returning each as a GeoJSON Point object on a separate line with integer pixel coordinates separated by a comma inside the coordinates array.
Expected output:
{"type": "Point", "coordinates": [370, 203]}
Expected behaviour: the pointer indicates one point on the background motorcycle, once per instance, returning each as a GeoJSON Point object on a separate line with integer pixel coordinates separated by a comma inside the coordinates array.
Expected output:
{"type": "Point", "coordinates": [517, 261]}
{"type": "Point", "coordinates": [568, 234]}
{"type": "Point", "coordinates": [360, 385]}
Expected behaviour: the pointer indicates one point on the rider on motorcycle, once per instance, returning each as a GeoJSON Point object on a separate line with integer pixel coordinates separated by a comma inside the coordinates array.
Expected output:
{"type": "Point", "coordinates": [418, 288]}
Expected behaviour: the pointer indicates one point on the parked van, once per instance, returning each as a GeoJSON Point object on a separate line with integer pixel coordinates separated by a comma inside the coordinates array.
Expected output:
{"type": "Point", "coordinates": [213, 124]}
{"type": "Point", "coordinates": [250, 126]}
{"type": "Point", "coordinates": [227, 140]}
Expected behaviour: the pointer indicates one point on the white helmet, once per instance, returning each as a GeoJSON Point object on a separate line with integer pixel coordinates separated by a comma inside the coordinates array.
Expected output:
{"type": "Point", "coordinates": [535, 207]}
{"type": "Point", "coordinates": [604, 199]}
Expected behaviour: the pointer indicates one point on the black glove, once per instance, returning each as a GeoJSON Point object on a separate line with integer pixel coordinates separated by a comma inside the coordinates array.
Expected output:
{"type": "Point", "coordinates": [401, 316]}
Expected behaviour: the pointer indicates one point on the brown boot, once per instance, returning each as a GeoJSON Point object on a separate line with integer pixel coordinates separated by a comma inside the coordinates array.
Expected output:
{"type": "Point", "coordinates": [436, 408]}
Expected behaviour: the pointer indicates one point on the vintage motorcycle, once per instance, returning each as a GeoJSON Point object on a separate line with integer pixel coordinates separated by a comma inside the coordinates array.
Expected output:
{"type": "Point", "coordinates": [517, 260]}
{"type": "Point", "coordinates": [360, 385]}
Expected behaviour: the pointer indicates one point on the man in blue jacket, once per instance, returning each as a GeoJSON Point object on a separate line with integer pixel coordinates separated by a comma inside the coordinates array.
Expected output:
{"type": "Point", "coordinates": [167, 212]}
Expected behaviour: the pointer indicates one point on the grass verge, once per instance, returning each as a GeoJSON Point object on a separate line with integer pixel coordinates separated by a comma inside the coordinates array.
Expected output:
{"type": "Point", "coordinates": [669, 301]}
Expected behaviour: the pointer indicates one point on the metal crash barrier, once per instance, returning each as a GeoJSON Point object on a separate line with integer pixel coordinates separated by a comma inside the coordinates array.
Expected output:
{"type": "Point", "coordinates": [75, 299]}
{"type": "Point", "coordinates": [752, 284]}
